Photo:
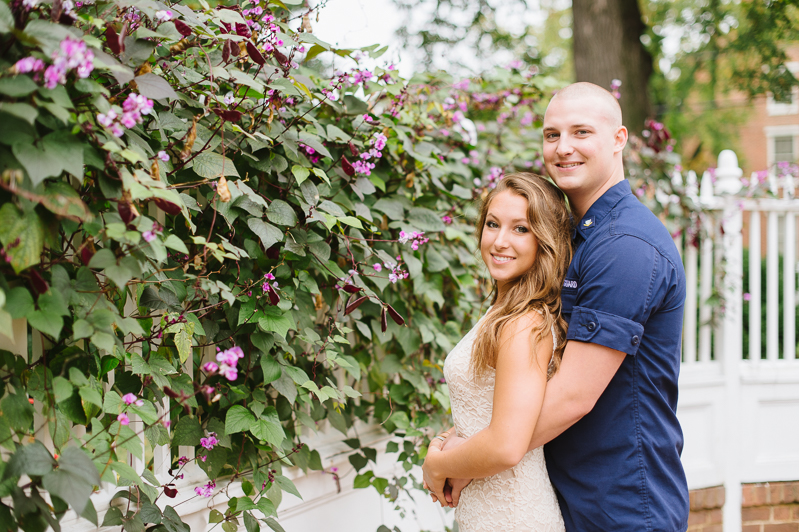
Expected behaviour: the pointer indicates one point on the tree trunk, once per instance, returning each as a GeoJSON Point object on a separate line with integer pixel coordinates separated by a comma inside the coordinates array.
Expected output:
{"type": "Point", "coordinates": [607, 46]}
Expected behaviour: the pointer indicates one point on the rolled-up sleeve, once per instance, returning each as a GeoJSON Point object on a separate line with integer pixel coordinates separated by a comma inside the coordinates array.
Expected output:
{"type": "Point", "coordinates": [618, 279]}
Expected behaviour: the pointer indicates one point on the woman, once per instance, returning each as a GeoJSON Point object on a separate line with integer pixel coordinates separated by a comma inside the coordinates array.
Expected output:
{"type": "Point", "coordinates": [497, 373]}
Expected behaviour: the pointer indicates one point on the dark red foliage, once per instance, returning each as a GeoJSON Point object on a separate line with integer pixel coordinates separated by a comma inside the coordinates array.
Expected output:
{"type": "Point", "coordinates": [167, 206]}
{"type": "Point", "coordinates": [126, 212]}
{"type": "Point", "coordinates": [40, 286]}
{"type": "Point", "coordinates": [353, 150]}
{"type": "Point", "coordinates": [182, 28]}
{"type": "Point", "coordinates": [274, 299]}
{"type": "Point", "coordinates": [383, 321]}
{"type": "Point", "coordinates": [399, 320]}
{"type": "Point", "coordinates": [228, 114]}
{"type": "Point", "coordinates": [170, 492]}
{"type": "Point", "coordinates": [255, 55]}
{"type": "Point", "coordinates": [281, 58]}
{"type": "Point", "coordinates": [113, 40]}
{"type": "Point", "coordinates": [347, 167]}
{"type": "Point", "coordinates": [86, 255]}
{"type": "Point", "coordinates": [273, 252]}
{"type": "Point", "coordinates": [353, 304]}
{"type": "Point", "coordinates": [242, 30]}
{"type": "Point", "coordinates": [226, 51]}
{"type": "Point", "coordinates": [352, 289]}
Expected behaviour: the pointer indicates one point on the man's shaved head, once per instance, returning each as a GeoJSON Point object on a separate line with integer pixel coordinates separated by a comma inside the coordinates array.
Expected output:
{"type": "Point", "coordinates": [607, 104]}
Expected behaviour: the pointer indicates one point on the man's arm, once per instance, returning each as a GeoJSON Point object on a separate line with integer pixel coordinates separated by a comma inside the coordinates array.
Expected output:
{"type": "Point", "coordinates": [584, 373]}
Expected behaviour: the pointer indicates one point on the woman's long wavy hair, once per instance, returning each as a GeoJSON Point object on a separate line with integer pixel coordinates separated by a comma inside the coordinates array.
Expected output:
{"type": "Point", "coordinates": [539, 288]}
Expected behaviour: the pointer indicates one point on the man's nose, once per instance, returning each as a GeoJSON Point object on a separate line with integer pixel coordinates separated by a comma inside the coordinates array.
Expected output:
{"type": "Point", "coordinates": [564, 148]}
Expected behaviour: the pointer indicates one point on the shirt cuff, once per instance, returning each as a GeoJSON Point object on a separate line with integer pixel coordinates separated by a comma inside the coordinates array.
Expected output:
{"type": "Point", "coordinates": [597, 327]}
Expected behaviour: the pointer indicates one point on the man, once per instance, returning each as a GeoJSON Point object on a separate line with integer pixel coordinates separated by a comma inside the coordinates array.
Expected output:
{"type": "Point", "coordinates": [608, 417]}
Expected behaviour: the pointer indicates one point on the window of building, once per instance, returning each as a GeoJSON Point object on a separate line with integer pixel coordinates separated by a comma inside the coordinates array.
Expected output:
{"type": "Point", "coordinates": [786, 107]}
{"type": "Point", "coordinates": [783, 149]}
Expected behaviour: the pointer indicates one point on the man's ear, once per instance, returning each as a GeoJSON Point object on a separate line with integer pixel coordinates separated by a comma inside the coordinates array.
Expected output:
{"type": "Point", "coordinates": [620, 139]}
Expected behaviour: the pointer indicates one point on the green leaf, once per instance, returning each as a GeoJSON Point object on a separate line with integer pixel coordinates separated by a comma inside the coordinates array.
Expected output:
{"type": "Point", "coordinates": [212, 165]}
{"type": "Point", "coordinates": [287, 485]}
{"type": "Point", "coordinates": [183, 340]}
{"type": "Point", "coordinates": [53, 154]}
{"type": "Point", "coordinates": [62, 389]}
{"type": "Point", "coordinates": [300, 173]}
{"type": "Point", "coordinates": [187, 432]}
{"type": "Point", "coordinates": [313, 142]}
{"type": "Point", "coordinates": [272, 370]}
{"type": "Point", "coordinates": [269, 428]}
{"type": "Point", "coordinates": [266, 506]}
{"type": "Point", "coordinates": [268, 233]}
{"type": "Point", "coordinates": [154, 87]}
{"type": "Point", "coordinates": [20, 110]}
{"type": "Point", "coordinates": [6, 18]}
{"type": "Point", "coordinates": [425, 219]}
{"type": "Point", "coordinates": [113, 517]}
{"type": "Point", "coordinates": [274, 525]}
{"type": "Point", "coordinates": [29, 229]}
{"type": "Point", "coordinates": [17, 411]}
{"type": "Point", "coordinates": [74, 480]}
{"type": "Point", "coordinates": [17, 86]}
{"type": "Point", "coordinates": [31, 460]}
{"type": "Point", "coordinates": [173, 242]}
{"type": "Point", "coordinates": [281, 213]}
{"type": "Point", "coordinates": [273, 320]}
{"type": "Point", "coordinates": [238, 419]}
{"type": "Point", "coordinates": [19, 301]}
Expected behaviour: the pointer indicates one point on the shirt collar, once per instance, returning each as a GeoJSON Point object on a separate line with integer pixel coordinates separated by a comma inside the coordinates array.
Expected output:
{"type": "Point", "coordinates": [601, 207]}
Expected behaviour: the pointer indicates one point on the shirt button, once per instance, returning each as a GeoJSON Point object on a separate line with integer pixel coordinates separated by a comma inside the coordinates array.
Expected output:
{"type": "Point", "coordinates": [591, 326]}
{"type": "Point", "coordinates": [635, 340]}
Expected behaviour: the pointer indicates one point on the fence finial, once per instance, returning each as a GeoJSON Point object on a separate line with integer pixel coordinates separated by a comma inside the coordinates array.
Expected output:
{"type": "Point", "coordinates": [728, 173]}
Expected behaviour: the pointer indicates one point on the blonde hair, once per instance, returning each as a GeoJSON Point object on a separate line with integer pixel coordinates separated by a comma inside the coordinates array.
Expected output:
{"type": "Point", "coordinates": [539, 288]}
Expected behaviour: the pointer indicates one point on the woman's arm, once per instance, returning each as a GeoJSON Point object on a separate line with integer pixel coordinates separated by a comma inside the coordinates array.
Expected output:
{"type": "Point", "coordinates": [518, 396]}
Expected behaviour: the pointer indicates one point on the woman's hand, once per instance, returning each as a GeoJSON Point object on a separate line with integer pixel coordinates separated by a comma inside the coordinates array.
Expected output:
{"type": "Point", "coordinates": [454, 486]}
{"type": "Point", "coordinates": [433, 480]}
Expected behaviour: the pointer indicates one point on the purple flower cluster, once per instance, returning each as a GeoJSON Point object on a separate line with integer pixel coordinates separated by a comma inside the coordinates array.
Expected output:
{"type": "Point", "coordinates": [207, 490]}
{"type": "Point", "coordinates": [474, 158]}
{"type": "Point", "coordinates": [310, 153]}
{"type": "Point", "coordinates": [378, 143]}
{"type": "Point", "coordinates": [164, 15]}
{"type": "Point", "coordinates": [72, 54]}
{"type": "Point", "coordinates": [134, 107]}
{"type": "Point", "coordinates": [210, 441]}
{"type": "Point", "coordinates": [416, 239]}
{"type": "Point", "coordinates": [150, 235]}
{"type": "Point", "coordinates": [494, 176]}
{"type": "Point", "coordinates": [447, 219]}
{"type": "Point", "coordinates": [123, 419]}
{"type": "Point", "coordinates": [266, 286]}
{"type": "Point", "coordinates": [395, 270]}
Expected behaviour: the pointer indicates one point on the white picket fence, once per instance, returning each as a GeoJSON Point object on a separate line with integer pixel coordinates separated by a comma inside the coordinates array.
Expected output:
{"type": "Point", "coordinates": [739, 415]}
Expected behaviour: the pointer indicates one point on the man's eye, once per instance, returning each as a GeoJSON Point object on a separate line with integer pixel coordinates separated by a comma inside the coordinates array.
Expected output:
{"type": "Point", "coordinates": [552, 135]}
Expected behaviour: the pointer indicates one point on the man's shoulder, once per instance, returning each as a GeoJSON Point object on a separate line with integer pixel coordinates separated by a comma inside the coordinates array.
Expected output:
{"type": "Point", "coordinates": [634, 220]}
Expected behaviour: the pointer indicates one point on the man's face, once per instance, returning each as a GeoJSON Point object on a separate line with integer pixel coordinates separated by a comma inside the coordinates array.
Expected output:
{"type": "Point", "coordinates": [580, 143]}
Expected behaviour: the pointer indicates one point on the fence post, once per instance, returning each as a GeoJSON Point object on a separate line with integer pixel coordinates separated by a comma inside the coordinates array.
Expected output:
{"type": "Point", "coordinates": [728, 176]}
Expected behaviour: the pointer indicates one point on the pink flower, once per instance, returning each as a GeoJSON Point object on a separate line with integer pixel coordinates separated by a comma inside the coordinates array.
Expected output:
{"type": "Point", "coordinates": [210, 367]}
{"type": "Point", "coordinates": [183, 460]}
{"type": "Point", "coordinates": [378, 267]}
{"type": "Point", "coordinates": [392, 277]}
{"type": "Point", "coordinates": [229, 372]}
{"type": "Point", "coordinates": [54, 75]}
{"type": "Point", "coordinates": [269, 276]}
{"type": "Point", "coordinates": [107, 119]}
{"type": "Point", "coordinates": [164, 156]}
{"type": "Point", "coordinates": [129, 399]}
{"type": "Point", "coordinates": [210, 441]}
{"type": "Point", "coordinates": [148, 236]}
{"type": "Point", "coordinates": [207, 490]}
{"type": "Point", "coordinates": [446, 219]}
{"type": "Point", "coordinates": [123, 419]}
{"type": "Point", "coordinates": [166, 423]}
{"type": "Point", "coordinates": [28, 64]}
{"type": "Point", "coordinates": [117, 130]}
{"type": "Point", "coordinates": [747, 296]}
{"type": "Point", "coordinates": [164, 15]}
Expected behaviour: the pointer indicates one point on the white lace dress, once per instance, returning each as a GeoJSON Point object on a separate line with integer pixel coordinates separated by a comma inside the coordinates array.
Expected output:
{"type": "Point", "coordinates": [519, 499]}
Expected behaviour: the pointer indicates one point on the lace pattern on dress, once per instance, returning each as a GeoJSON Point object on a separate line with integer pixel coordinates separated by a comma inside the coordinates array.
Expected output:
{"type": "Point", "coordinates": [520, 499]}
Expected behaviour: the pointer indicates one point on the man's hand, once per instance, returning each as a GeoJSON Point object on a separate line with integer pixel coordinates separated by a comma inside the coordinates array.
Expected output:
{"type": "Point", "coordinates": [452, 492]}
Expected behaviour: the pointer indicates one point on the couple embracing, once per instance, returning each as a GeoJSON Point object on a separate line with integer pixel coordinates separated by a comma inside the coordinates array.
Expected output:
{"type": "Point", "coordinates": [580, 349]}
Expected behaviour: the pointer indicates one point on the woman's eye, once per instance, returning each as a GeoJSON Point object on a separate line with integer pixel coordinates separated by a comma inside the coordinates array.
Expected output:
{"type": "Point", "coordinates": [492, 225]}
{"type": "Point", "coordinates": [521, 229]}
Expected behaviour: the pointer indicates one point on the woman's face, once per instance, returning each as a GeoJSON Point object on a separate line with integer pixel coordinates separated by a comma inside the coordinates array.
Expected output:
{"type": "Point", "coordinates": [508, 245]}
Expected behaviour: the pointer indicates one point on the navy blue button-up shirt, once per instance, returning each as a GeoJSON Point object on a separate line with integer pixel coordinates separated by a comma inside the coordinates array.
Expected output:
{"type": "Point", "coordinates": [618, 468]}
